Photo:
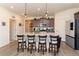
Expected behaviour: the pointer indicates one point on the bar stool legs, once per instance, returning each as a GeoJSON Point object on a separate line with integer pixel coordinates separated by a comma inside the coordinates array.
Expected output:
{"type": "Point", "coordinates": [42, 47]}
{"type": "Point", "coordinates": [18, 47]}
{"type": "Point", "coordinates": [30, 48]}
{"type": "Point", "coordinates": [54, 50]}
{"type": "Point", "coordinates": [22, 47]}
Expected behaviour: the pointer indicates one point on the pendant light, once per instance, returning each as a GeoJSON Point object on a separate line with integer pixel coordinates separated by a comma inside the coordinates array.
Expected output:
{"type": "Point", "coordinates": [46, 12]}
{"type": "Point", "coordinates": [25, 14]}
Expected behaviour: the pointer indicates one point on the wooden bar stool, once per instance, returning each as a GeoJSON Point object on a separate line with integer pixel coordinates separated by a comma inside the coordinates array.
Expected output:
{"type": "Point", "coordinates": [31, 43]}
{"type": "Point", "coordinates": [42, 43]}
{"type": "Point", "coordinates": [21, 43]}
{"type": "Point", "coordinates": [54, 44]}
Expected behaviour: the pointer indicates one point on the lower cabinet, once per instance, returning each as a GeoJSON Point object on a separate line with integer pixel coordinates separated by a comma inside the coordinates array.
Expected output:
{"type": "Point", "coordinates": [70, 41]}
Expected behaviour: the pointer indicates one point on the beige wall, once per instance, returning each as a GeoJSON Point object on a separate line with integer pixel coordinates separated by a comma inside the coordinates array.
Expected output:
{"type": "Point", "coordinates": [5, 16]}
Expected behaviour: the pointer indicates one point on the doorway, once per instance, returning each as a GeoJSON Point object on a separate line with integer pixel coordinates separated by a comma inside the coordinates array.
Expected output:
{"type": "Point", "coordinates": [12, 30]}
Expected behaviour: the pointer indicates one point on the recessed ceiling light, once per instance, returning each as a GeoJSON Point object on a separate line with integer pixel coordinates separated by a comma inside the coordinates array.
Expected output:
{"type": "Point", "coordinates": [38, 9]}
{"type": "Point", "coordinates": [12, 7]}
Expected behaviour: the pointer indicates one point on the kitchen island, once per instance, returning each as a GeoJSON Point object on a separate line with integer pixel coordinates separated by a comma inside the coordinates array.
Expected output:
{"type": "Point", "coordinates": [41, 33]}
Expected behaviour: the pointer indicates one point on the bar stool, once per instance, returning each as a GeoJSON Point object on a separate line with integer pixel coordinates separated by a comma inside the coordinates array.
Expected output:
{"type": "Point", "coordinates": [31, 43]}
{"type": "Point", "coordinates": [59, 43]}
{"type": "Point", "coordinates": [42, 43]}
{"type": "Point", "coordinates": [21, 43]}
{"type": "Point", "coordinates": [54, 44]}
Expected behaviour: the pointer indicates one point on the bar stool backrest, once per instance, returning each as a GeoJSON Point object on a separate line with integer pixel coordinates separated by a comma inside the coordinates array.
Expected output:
{"type": "Point", "coordinates": [54, 39]}
{"type": "Point", "coordinates": [42, 39]}
{"type": "Point", "coordinates": [31, 38]}
{"type": "Point", "coordinates": [20, 38]}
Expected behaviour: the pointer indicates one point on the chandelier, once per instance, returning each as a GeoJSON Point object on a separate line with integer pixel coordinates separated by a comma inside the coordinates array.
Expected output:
{"type": "Point", "coordinates": [46, 13]}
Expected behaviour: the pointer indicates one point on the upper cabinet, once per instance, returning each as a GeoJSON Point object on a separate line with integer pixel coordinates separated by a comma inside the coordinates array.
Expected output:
{"type": "Point", "coordinates": [45, 22]}
{"type": "Point", "coordinates": [39, 25]}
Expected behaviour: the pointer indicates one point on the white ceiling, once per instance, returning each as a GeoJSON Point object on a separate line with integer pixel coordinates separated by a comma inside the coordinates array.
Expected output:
{"type": "Point", "coordinates": [32, 8]}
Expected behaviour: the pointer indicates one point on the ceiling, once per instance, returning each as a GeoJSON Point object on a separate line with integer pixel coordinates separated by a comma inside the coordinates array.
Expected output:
{"type": "Point", "coordinates": [33, 8]}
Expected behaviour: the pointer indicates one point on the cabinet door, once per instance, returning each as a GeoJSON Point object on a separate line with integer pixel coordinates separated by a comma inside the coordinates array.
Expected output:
{"type": "Point", "coordinates": [70, 41]}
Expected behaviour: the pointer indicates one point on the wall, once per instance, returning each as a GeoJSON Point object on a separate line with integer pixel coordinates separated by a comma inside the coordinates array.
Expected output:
{"type": "Point", "coordinates": [5, 16]}
{"type": "Point", "coordinates": [60, 21]}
